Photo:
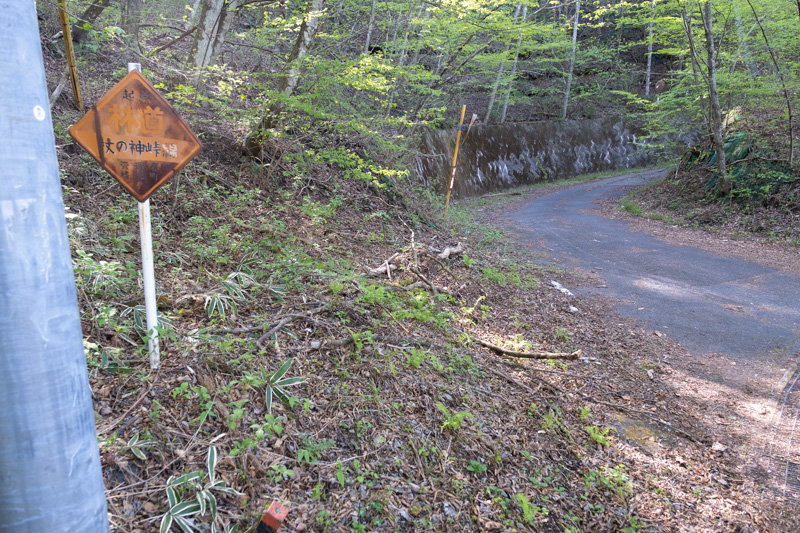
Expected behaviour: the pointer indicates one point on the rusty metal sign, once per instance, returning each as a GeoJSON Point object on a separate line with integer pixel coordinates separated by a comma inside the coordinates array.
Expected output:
{"type": "Point", "coordinates": [136, 136]}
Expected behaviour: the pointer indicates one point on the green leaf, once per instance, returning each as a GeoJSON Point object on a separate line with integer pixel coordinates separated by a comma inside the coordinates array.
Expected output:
{"type": "Point", "coordinates": [212, 505]}
{"type": "Point", "coordinates": [139, 453]}
{"type": "Point", "coordinates": [289, 381]}
{"type": "Point", "coordinates": [201, 501]}
{"type": "Point", "coordinates": [132, 442]}
{"type": "Point", "coordinates": [269, 399]}
{"type": "Point", "coordinates": [184, 525]}
{"type": "Point", "coordinates": [172, 498]}
{"type": "Point", "coordinates": [166, 523]}
{"type": "Point", "coordinates": [185, 478]}
{"type": "Point", "coordinates": [281, 394]}
{"type": "Point", "coordinates": [185, 509]}
{"type": "Point", "coordinates": [211, 462]}
{"type": "Point", "coordinates": [281, 371]}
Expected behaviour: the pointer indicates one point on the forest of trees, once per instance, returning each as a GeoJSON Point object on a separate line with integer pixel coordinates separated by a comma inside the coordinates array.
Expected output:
{"type": "Point", "coordinates": [385, 66]}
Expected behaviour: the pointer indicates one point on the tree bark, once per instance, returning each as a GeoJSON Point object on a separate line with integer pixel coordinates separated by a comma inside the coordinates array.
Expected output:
{"type": "Point", "coordinates": [500, 72]}
{"type": "Point", "coordinates": [89, 16]}
{"type": "Point", "coordinates": [213, 19]}
{"type": "Point", "coordinates": [513, 68]}
{"type": "Point", "coordinates": [723, 184]}
{"type": "Point", "coordinates": [650, 48]}
{"type": "Point", "coordinates": [370, 26]}
{"type": "Point", "coordinates": [783, 84]}
{"type": "Point", "coordinates": [131, 20]}
{"type": "Point", "coordinates": [572, 59]}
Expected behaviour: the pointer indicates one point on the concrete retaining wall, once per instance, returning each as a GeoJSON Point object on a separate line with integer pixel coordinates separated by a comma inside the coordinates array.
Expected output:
{"type": "Point", "coordinates": [499, 157]}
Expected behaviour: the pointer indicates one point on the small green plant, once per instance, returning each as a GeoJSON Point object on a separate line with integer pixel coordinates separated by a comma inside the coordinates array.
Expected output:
{"type": "Point", "coordinates": [530, 512]}
{"type": "Point", "coordinates": [584, 413]}
{"type": "Point", "coordinates": [137, 446]}
{"type": "Point", "coordinates": [274, 384]}
{"type": "Point", "coordinates": [280, 473]}
{"type": "Point", "coordinates": [312, 449]}
{"type": "Point", "coordinates": [632, 208]}
{"type": "Point", "coordinates": [600, 435]}
{"type": "Point", "coordinates": [453, 421]}
{"type": "Point", "coordinates": [476, 467]}
{"type": "Point", "coordinates": [415, 358]}
{"type": "Point", "coordinates": [564, 335]}
{"type": "Point", "coordinates": [179, 511]}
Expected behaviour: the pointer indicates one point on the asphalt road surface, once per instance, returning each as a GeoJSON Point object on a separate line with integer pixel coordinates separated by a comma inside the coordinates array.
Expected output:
{"type": "Point", "coordinates": [709, 304]}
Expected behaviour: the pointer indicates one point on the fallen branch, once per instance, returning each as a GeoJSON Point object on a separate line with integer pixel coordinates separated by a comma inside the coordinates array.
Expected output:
{"type": "Point", "coordinates": [530, 355]}
{"type": "Point", "coordinates": [450, 250]}
{"type": "Point", "coordinates": [381, 269]}
{"type": "Point", "coordinates": [172, 42]}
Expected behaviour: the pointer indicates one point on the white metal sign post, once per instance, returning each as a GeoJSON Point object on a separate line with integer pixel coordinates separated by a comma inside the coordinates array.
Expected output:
{"type": "Point", "coordinates": [136, 135]}
{"type": "Point", "coordinates": [148, 272]}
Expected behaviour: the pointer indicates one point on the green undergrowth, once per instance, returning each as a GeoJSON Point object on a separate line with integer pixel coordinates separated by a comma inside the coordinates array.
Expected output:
{"type": "Point", "coordinates": [764, 201]}
{"type": "Point", "coordinates": [353, 397]}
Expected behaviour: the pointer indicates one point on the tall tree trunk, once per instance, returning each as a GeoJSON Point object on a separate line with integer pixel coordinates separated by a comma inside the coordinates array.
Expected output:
{"type": "Point", "coordinates": [572, 59]}
{"type": "Point", "coordinates": [695, 62]}
{"type": "Point", "coordinates": [225, 21]}
{"type": "Point", "coordinates": [290, 78]}
{"type": "Point", "coordinates": [131, 20]}
{"type": "Point", "coordinates": [513, 68]}
{"type": "Point", "coordinates": [88, 17]}
{"type": "Point", "coordinates": [499, 76]}
{"type": "Point", "coordinates": [650, 48]}
{"type": "Point", "coordinates": [786, 97]}
{"type": "Point", "coordinates": [723, 183]}
{"type": "Point", "coordinates": [370, 26]}
{"type": "Point", "coordinates": [213, 19]}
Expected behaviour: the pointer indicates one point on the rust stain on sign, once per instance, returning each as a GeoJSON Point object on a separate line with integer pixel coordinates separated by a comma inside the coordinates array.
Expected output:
{"type": "Point", "coordinates": [136, 136]}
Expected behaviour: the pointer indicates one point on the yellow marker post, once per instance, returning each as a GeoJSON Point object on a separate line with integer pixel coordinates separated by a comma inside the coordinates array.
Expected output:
{"type": "Point", "coordinates": [73, 70]}
{"type": "Point", "coordinates": [455, 157]}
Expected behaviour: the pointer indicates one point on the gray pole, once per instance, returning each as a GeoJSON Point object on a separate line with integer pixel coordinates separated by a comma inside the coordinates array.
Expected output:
{"type": "Point", "coordinates": [50, 476]}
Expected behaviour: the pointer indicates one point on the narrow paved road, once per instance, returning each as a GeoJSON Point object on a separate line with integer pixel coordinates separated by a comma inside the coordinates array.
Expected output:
{"type": "Point", "coordinates": [707, 303]}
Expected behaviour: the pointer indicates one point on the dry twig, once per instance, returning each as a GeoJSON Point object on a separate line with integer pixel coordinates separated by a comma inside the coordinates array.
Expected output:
{"type": "Point", "coordinates": [530, 355]}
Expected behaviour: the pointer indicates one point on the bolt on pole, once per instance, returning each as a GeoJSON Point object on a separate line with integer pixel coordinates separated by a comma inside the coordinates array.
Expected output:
{"type": "Point", "coordinates": [148, 273]}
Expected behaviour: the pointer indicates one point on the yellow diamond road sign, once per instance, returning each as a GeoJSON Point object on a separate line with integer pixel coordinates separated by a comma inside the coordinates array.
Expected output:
{"type": "Point", "coordinates": [136, 135]}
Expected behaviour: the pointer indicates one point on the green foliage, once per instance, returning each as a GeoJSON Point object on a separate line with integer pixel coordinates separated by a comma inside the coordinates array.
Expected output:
{"type": "Point", "coordinates": [600, 435]}
{"type": "Point", "coordinates": [530, 512]}
{"type": "Point", "coordinates": [453, 421]}
{"type": "Point", "coordinates": [476, 467]}
{"type": "Point", "coordinates": [274, 384]}
{"type": "Point", "coordinates": [200, 486]}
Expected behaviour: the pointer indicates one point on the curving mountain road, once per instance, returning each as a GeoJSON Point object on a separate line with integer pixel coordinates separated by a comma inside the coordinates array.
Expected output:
{"type": "Point", "coordinates": [707, 303]}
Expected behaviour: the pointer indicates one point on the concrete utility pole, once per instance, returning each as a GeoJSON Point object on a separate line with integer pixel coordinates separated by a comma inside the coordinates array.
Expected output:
{"type": "Point", "coordinates": [50, 476]}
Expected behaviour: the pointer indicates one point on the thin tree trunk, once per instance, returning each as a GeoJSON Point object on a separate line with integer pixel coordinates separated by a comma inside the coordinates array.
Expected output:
{"type": "Point", "coordinates": [723, 184]}
{"type": "Point", "coordinates": [224, 23]}
{"type": "Point", "coordinates": [370, 26]}
{"type": "Point", "coordinates": [88, 17]}
{"type": "Point", "coordinates": [500, 72]}
{"type": "Point", "coordinates": [308, 29]}
{"type": "Point", "coordinates": [783, 84]}
{"type": "Point", "coordinates": [131, 20]}
{"type": "Point", "coordinates": [206, 17]}
{"type": "Point", "coordinates": [650, 48]}
{"type": "Point", "coordinates": [513, 68]}
{"type": "Point", "coordinates": [425, 14]}
{"type": "Point", "coordinates": [572, 59]}
{"type": "Point", "coordinates": [687, 22]}
{"type": "Point", "coordinates": [291, 78]}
